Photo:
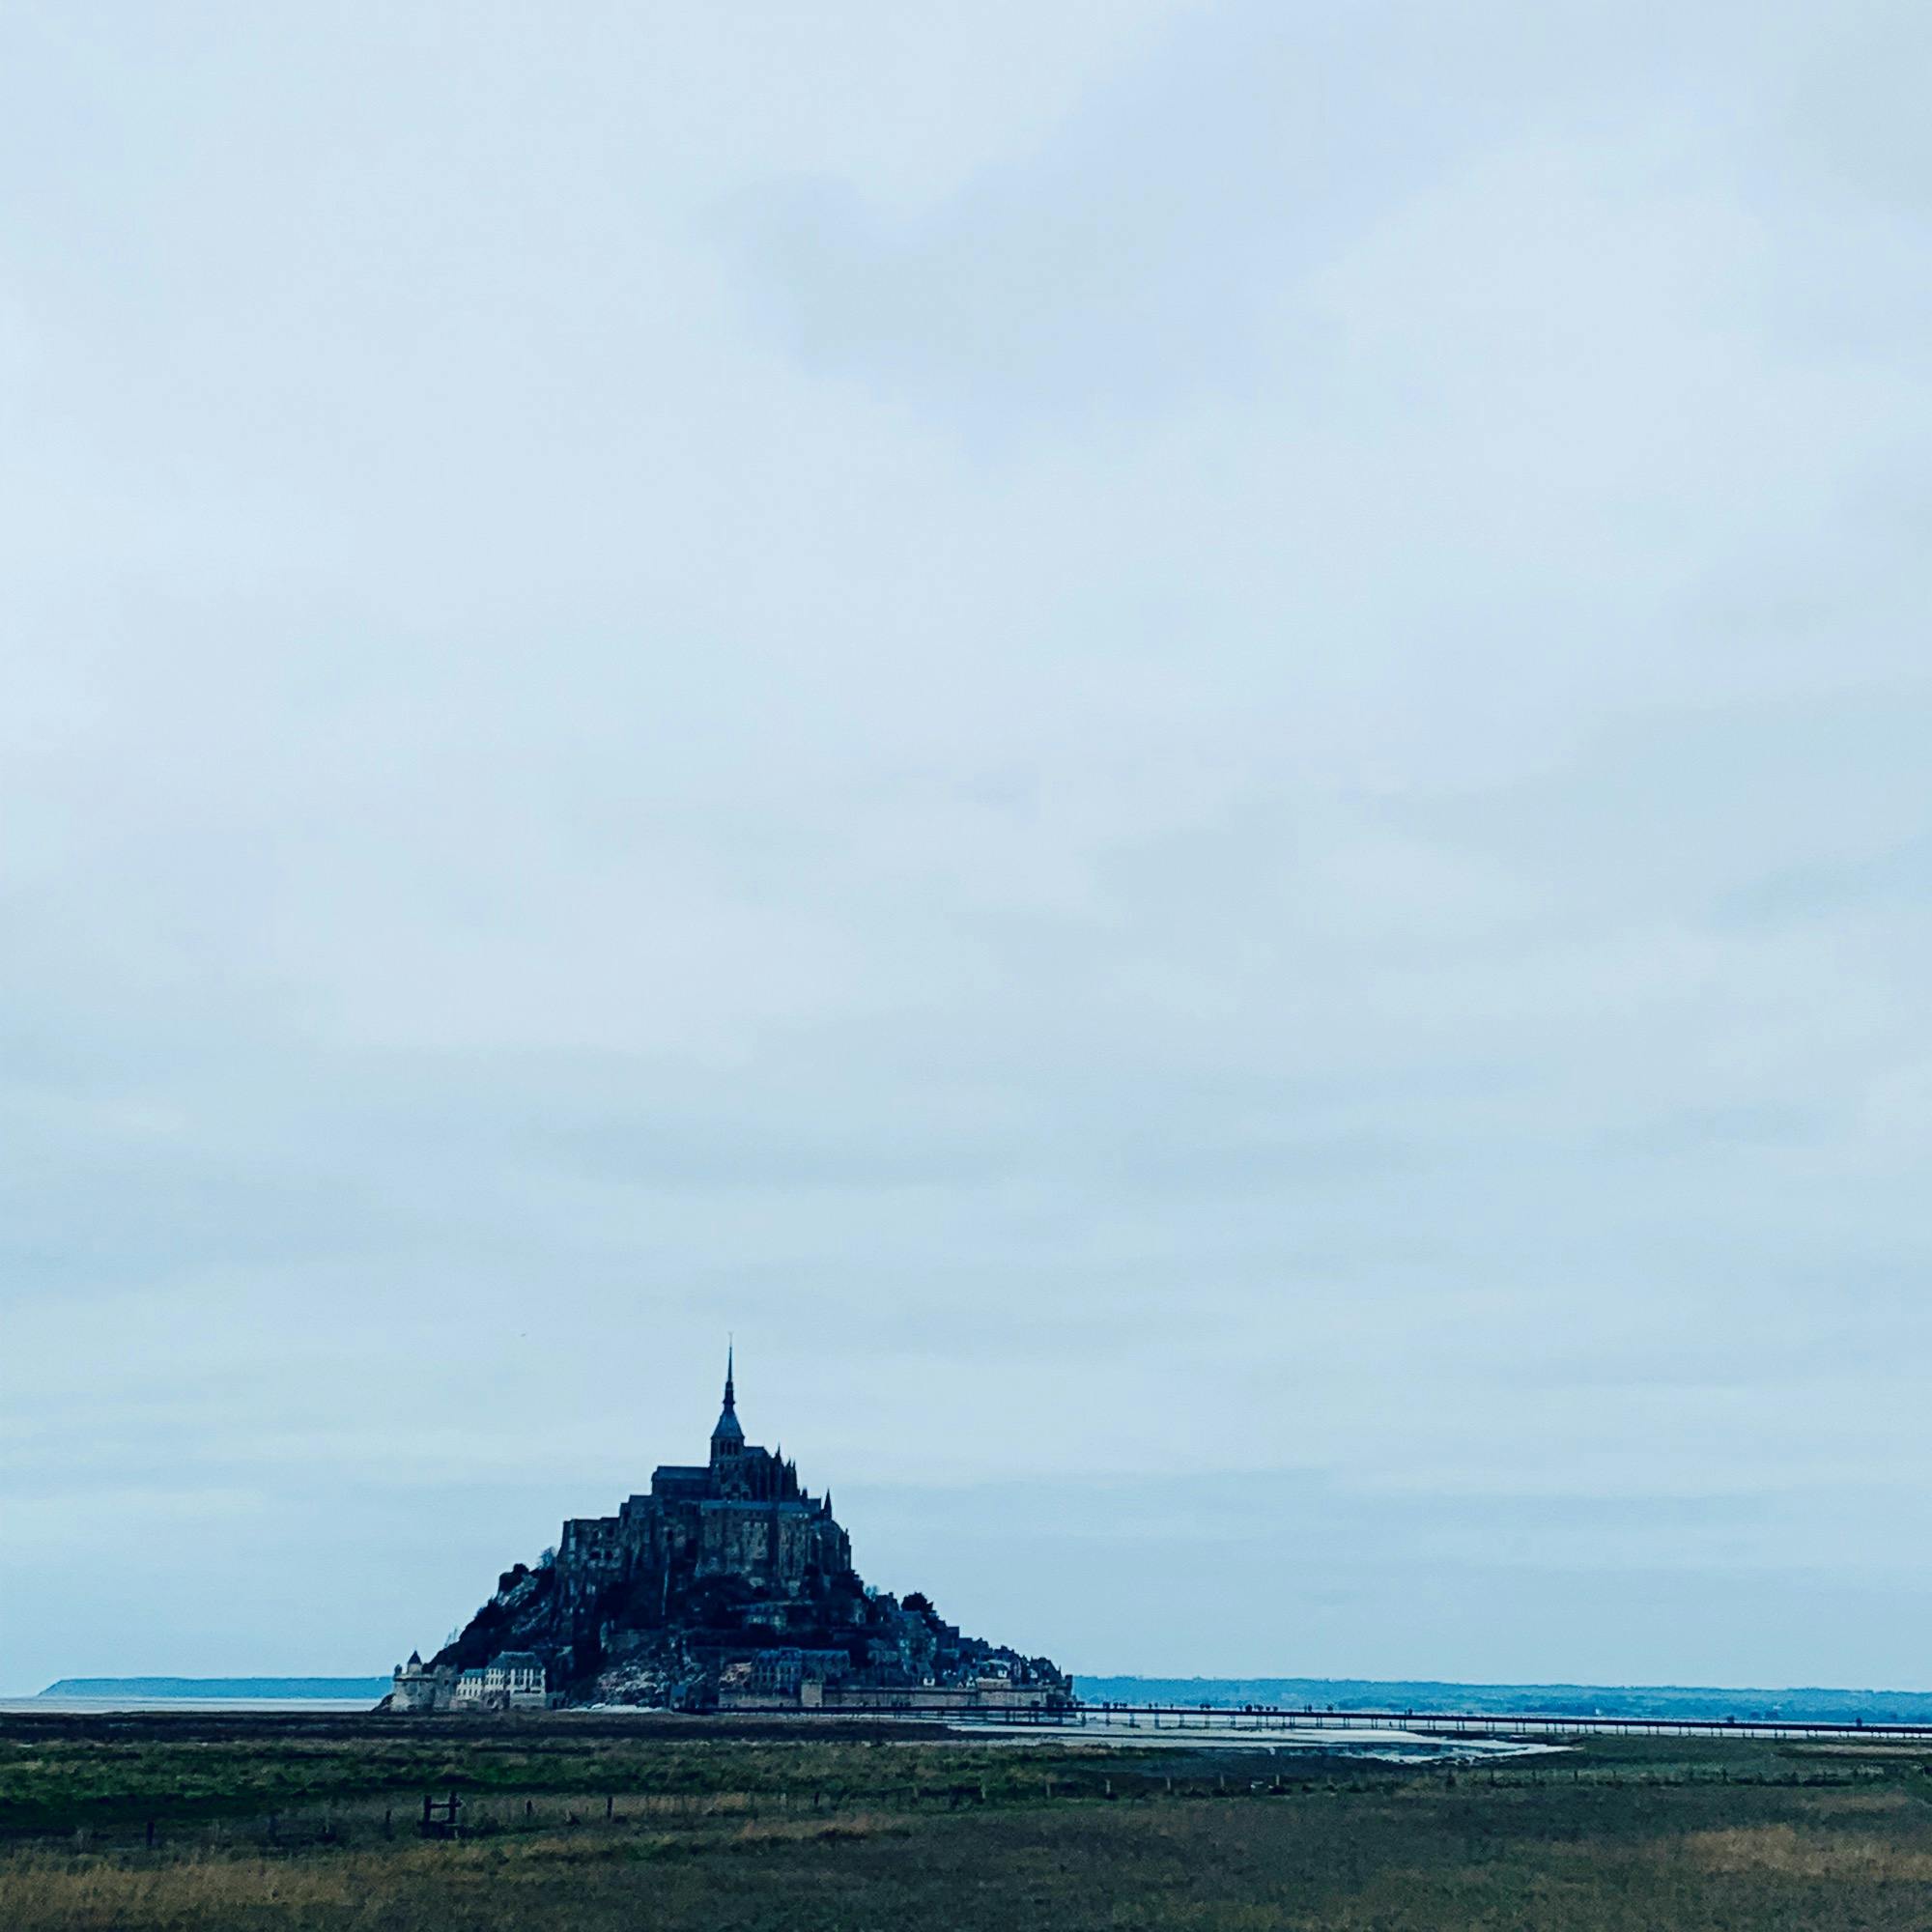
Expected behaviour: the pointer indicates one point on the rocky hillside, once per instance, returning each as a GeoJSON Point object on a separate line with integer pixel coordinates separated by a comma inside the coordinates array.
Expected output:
{"type": "Point", "coordinates": [670, 1646]}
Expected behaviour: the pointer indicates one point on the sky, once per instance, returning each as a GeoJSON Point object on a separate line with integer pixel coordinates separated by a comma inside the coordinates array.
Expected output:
{"type": "Point", "coordinates": [1182, 744]}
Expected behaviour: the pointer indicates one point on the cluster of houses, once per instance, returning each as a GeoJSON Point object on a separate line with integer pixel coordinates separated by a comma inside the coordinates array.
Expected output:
{"type": "Point", "coordinates": [515, 1680]}
{"type": "Point", "coordinates": [821, 1680]}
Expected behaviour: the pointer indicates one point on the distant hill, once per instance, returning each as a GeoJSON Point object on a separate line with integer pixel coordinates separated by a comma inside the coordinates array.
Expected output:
{"type": "Point", "coordinates": [341, 1688]}
{"type": "Point", "coordinates": [1803, 1705]}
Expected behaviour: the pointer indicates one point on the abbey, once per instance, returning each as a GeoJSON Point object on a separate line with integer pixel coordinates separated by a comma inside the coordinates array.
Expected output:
{"type": "Point", "coordinates": [741, 1515]}
{"type": "Point", "coordinates": [727, 1585]}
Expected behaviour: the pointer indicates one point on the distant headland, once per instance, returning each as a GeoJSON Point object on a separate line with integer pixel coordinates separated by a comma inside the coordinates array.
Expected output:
{"type": "Point", "coordinates": [1810, 1704]}
{"type": "Point", "coordinates": [219, 1690]}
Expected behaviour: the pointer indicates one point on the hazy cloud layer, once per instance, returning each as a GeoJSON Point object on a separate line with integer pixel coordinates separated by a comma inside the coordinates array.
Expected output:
{"type": "Point", "coordinates": [1183, 743]}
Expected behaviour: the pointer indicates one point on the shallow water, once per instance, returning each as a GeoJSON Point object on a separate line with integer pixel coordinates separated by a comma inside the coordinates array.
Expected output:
{"type": "Point", "coordinates": [1375, 1743]}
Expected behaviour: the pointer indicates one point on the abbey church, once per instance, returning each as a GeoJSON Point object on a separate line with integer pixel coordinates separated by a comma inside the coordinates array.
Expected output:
{"type": "Point", "coordinates": [727, 1585]}
{"type": "Point", "coordinates": [742, 1515]}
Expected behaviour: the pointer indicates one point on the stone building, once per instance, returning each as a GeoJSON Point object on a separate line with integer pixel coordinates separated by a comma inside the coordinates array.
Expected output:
{"type": "Point", "coordinates": [515, 1680]}
{"type": "Point", "coordinates": [741, 1515]}
{"type": "Point", "coordinates": [420, 1687]}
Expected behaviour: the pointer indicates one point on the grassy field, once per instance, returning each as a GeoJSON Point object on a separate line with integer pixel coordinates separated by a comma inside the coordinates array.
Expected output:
{"type": "Point", "coordinates": [578, 1824]}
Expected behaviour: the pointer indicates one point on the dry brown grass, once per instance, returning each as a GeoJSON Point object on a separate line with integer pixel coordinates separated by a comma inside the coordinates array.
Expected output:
{"type": "Point", "coordinates": [82, 1895]}
{"type": "Point", "coordinates": [816, 1831]}
{"type": "Point", "coordinates": [1791, 1851]}
{"type": "Point", "coordinates": [1425, 1861]}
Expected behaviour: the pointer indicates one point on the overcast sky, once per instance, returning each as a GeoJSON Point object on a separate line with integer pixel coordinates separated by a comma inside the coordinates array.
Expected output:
{"type": "Point", "coordinates": [1186, 745]}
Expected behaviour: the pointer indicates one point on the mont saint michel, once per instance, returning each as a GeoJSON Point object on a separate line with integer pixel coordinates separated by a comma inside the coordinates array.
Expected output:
{"type": "Point", "coordinates": [727, 1585]}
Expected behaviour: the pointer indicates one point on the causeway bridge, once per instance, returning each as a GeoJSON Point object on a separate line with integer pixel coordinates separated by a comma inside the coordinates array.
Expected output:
{"type": "Point", "coordinates": [1114, 1720]}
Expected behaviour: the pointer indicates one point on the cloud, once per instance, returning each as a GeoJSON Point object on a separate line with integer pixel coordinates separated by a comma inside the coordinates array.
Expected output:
{"type": "Point", "coordinates": [1183, 743]}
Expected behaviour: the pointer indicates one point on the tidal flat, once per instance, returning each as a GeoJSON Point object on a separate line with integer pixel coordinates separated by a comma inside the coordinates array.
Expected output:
{"type": "Point", "coordinates": [576, 1823]}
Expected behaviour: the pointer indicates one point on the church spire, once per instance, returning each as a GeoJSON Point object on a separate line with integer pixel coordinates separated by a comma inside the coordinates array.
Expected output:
{"type": "Point", "coordinates": [729, 1438]}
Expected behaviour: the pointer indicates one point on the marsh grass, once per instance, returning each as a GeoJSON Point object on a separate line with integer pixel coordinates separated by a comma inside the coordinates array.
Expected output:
{"type": "Point", "coordinates": [731, 1834]}
{"type": "Point", "coordinates": [96, 1772]}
